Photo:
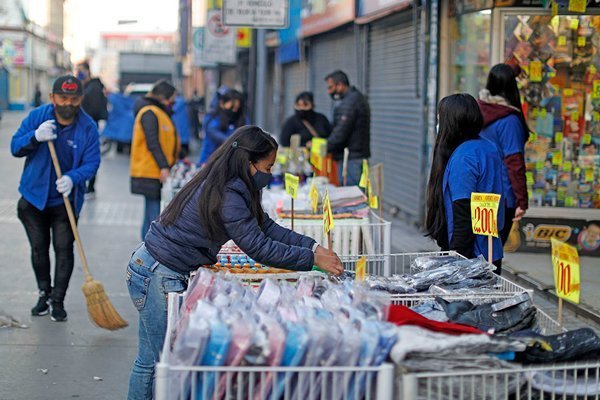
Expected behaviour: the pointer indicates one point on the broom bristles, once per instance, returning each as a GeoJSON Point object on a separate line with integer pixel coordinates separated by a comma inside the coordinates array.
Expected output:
{"type": "Point", "coordinates": [100, 309]}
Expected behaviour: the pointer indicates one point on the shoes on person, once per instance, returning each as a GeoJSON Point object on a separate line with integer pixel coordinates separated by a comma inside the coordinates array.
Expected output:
{"type": "Point", "coordinates": [90, 195]}
{"type": "Point", "coordinates": [58, 311]}
{"type": "Point", "coordinates": [41, 308]}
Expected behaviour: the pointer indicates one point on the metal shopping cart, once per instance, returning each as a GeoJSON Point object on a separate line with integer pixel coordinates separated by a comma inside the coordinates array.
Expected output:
{"type": "Point", "coordinates": [175, 382]}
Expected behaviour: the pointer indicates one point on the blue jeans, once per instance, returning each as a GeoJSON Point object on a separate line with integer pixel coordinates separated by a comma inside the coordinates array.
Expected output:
{"type": "Point", "coordinates": [354, 172]}
{"type": "Point", "coordinates": [151, 212]}
{"type": "Point", "coordinates": [148, 283]}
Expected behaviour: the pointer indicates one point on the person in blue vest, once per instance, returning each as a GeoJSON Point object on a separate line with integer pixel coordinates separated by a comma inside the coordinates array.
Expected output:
{"type": "Point", "coordinates": [505, 125]}
{"type": "Point", "coordinates": [222, 122]}
{"type": "Point", "coordinates": [41, 208]}
{"type": "Point", "coordinates": [463, 163]}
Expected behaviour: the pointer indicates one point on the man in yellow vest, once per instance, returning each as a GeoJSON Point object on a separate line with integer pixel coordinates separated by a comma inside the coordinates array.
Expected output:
{"type": "Point", "coordinates": [154, 148]}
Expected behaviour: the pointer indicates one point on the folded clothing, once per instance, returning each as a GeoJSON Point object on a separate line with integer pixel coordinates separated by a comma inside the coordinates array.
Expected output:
{"type": "Point", "coordinates": [401, 315]}
{"type": "Point", "coordinates": [575, 345]}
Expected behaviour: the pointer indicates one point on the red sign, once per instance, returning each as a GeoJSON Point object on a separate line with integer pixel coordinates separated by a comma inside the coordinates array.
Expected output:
{"type": "Point", "coordinates": [320, 16]}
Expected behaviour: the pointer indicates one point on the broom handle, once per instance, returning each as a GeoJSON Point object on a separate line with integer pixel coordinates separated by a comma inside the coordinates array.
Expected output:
{"type": "Point", "coordinates": [70, 212]}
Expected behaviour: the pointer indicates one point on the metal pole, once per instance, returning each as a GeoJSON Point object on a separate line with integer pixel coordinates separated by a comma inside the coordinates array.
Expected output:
{"type": "Point", "coordinates": [261, 78]}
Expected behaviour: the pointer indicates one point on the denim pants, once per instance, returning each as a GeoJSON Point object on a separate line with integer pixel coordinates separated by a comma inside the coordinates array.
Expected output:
{"type": "Point", "coordinates": [354, 172]}
{"type": "Point", "coordinates": [39, 225]}
{"type": "Point", "coordinates": [151, 212]}
{"type": "Point", "coordinates": [148, 283]}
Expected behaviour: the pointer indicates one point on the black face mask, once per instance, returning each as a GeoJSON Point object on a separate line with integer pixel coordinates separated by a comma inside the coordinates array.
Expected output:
{"type": "Point", "coordinates": [66, 112]}
{"type": "Point", "coordinates": [261, 179]}
{"type": "Point", "coordinates": [230, 114]}
{"type": "Point", "coordinates": [304, 114]}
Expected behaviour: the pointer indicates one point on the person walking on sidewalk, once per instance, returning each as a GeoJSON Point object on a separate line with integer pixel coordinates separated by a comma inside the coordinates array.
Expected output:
{"type": "Point", "coordinates": [41, 208]}
{"type": "Point", "coordinates": [155, 148]}
{"type": "Point", "coordinates": [220, 203]}
{"type": "Point", "coordinates": [94, 104]}
{"type": "Point", "coordinates": [504, 124]}
{"type": "Point", "coordinates": [351, 126]}
{"type": "Point", "coordinates": [463, 163]}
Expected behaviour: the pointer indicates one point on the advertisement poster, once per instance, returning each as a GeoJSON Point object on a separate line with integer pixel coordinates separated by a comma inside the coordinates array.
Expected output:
{"type": "Point", "coordinates": [323, 15]}
{"type": "Point", "coordinates": [534, 235]}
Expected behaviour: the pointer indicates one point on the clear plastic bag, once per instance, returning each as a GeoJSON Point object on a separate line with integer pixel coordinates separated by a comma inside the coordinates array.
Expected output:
{"type": "Point", "coordinates": [426, 263]}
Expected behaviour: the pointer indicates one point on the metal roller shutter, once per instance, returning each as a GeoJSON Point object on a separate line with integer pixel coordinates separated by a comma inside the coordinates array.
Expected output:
{"type": "Point", "coordinates": [294, 82]}
{"type": "Point", "coordinates": [397, 136]}
{"type": "Point", "coordinates": [328, 53]}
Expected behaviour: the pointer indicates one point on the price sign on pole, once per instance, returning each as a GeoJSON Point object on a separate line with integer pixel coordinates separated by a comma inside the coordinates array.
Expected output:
{"type": "Point", "coordinates": [291, 185]}
{"type": "Point", "coordinates": [314, 197]}
{"type": "Point", "coordinates": [364, 177]}
{"type": "Point", "coordinates": [484, 217]}
{"type": "Point", "coordinates": [361, 269]}
{"type": "Point", "coordinates": [565, 262]}
{"type": "Point", "coordinates": [317, 152]}
{"type": "Point", "coordinates": [328, 223]}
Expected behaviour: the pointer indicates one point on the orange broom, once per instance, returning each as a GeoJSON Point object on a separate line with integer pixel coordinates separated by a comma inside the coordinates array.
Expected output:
{"type": "Point", "coordinates": [100, 309]}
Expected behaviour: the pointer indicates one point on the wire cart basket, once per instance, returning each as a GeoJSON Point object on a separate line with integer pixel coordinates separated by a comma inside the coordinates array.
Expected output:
{"type": "Point", "coordinates": [175, 382]}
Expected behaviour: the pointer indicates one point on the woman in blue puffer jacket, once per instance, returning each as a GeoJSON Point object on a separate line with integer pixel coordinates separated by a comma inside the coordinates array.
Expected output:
{"type": "Point", "coordinates": [220, 203]}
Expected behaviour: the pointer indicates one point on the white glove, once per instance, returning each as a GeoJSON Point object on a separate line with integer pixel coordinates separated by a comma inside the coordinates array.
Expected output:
{"type": "Point", "coordinates": [64, 185]}
{"type": "Point", "coordinates": [45, 132]}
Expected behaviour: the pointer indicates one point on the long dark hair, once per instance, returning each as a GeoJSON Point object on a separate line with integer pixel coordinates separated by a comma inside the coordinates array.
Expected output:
{"type": "Point", "coordinates": [502, 81]}
{"type": "Point", "coordinates": [460, 120]}
{"type": "Point", "coordinates": [246, 145]}
{"type": "Point", "coordinates": [239, 119]}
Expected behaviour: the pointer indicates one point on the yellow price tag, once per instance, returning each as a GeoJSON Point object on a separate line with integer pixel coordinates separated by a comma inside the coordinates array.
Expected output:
{"type": "Point", "coordinates": [565, 262]}
{"type": "Point", "coordinates": [581, 41]}
{"type": "Point", "coordinates": [577, 6]}
{"type": "Point", "coordinates": [533, 137]}
{"type": "Point", "coordinates": [373, 200]}
{"type": "Point", "coordinates": [557, 158]}
{"type": "Point", "coordinates": [568, 92]}
{"type": "Point", "coordinates": [314, 197]}
{"type": "Point", "coordinates": [361, 269]}
{"type": "Point", "coordinates": [364, 177]}
{"type": "Point", "coordinates": [554, 8]}
{"type": "Point", "coordinates": [562, 40]}
{"type": "Point", "coordinates": [554, 22]}
{"type": "Point", "coordinates": [577, 170]}
{"type": "Point", "coordinates": [587, 139]}
{"type": "Point", "coordinates": [574, 23]}
{"type": "Point", "coordinates": [484, 213]}
{"type": "Point", "coordinates": [291, 185]}
{"type": "Point", "coordinates": [328, 223]}
{"type": "Point", "coordinates": [529, 178]}
{"type": "Point", "coordinates": [535, 72]}
{"type": "Point", "coordinates": [596, 116]}
{"type": "Point", "coordinates": [589, 175]}
{"type": "Point", "coordinates": [596, 91]}
{"type": "Point", "coordinates": [559, 137]}
{"type": "Point", "coordinates": [575, 116]}
{"type": "Point", "coordinates": [539, 165]}
{"type": "Point", "coordinates": [318, 152]}
{"type": "Point", "coordinates": [567, 166]}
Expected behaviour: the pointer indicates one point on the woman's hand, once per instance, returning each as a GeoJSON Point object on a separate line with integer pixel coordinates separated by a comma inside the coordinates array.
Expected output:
{"type": "Point", "coordinates": [330, 263]}
{"type": "Point", "coordinates": [164, 174]}
{"type": "Point", "coordinates": [519, 213]}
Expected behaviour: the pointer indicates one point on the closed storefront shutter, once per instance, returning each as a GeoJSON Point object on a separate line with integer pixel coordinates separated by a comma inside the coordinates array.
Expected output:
{"type": "Point", "coordinates": [294, 82]}
{"type": "Point", "coordinates": [328, 53]}
{"type": "Point", "coordinates": [397, 136]}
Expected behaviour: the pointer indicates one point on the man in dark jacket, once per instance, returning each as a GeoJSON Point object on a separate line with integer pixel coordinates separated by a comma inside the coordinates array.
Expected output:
{"type": "Point", "coordinates": [351, 126]}
{"type": "Point", "coordinates": [94, 104]}
{"type": "Point", "coordinates": [41, 208]}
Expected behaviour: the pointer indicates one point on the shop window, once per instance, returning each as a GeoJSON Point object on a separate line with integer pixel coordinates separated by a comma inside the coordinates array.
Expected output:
{"type": "Point", "coordinates": [560, 89]}
{"type": "Point", "coordinates": [469, 39]}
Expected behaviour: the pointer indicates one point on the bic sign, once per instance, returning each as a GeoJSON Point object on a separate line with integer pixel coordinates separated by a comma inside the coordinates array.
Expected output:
{"type": "Point", "coordinates": [565, 262]}
{"type": "Point", "coordinates": [547, 232]}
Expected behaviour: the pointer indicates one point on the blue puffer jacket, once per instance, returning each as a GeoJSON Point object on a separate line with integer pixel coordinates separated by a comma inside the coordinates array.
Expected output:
{"type": "Point", "coordinates": [35, 181]}
{"type": "Point", "coordinates": [185, 246]}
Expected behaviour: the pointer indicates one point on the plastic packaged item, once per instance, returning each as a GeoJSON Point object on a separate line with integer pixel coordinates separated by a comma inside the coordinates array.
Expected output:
{"type": "Point", "coordinates": [276, 338]}
{"type": "Point", "coordinates": [426, 263]}
{"type": "Point", "coordinates": [369, 337]}
{"type": "Point", "coordinates": [296, 344]}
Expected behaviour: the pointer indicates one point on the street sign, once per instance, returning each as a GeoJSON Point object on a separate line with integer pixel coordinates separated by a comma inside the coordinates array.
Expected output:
{"type": "Point", "coordinates": [198, 45]}
{"type": "Point", "coordinates": [271, 14]}
{"type": "Point", "coordinates": [219, 40]}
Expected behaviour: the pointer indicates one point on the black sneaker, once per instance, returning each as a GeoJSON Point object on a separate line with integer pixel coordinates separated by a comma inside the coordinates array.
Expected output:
{"type": "Point", "coordinates": [41, 308]}
{"type": "Point", "coordinates": [58, 311]}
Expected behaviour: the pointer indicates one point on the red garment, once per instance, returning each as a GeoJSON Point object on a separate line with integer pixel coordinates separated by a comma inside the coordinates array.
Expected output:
{"type": "Point", "coordinates": [401, 315]}
{"type": "Point", "coordinates": [493, 112]}
{"type": "Point", "coordinates": [515, 164]}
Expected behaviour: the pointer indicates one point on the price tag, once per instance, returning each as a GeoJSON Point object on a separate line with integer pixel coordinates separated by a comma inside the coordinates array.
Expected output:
{"type": "Point", "coordinates": [562, 40]}
{"type": "Point", "coordinates": [596, 91]}
{"type": "Point", "coordinates": [544, 113]}
{"type": "Point", "coordinates": [567, 166]}
{"type": "Point", "coordinates": [581, 41]}
{"type": "Point", "coordinates": [554, 8]}
{"type": "Point", "coordinates": [314, 197]}
{"type": "Point", "coordinates": [565, 262]}
{"type": "Point", "coordinates": [596, 116]}
{"type": "Point", "coordinates": [539, 165]}
{"type": "Point", "coordinates": [575, 116]}
{"type": "Point", "coordinates": [373, 200]}
{"type": "Point", "coordinates": [361, 269]}
{"type": "Point", "coordinates": [568, 92]}
{"type": "Point", "coordinates": [554, 22]}
{"type": "Point", "coordinates": [282, 157]}
{"type": "Point", "coordinates": [569, 202]}
{"type": "Point", "coordinates": [574, 23]}
{"type": "Point", "coordinates": [533, 137]}
{"type": "Point", "coordinates": [529, 178]}
{"type": "Point", "coordinates": [557, 158]}
{"type": "Point", "coordinates": [577, 6]}
{"type": "Point", "coordinates": [291, 185]}
{"type": "Point", "coordinates": [577, 170]}
{"type": "Point", "coordinates": [364, 177]}
{"type": "Point", "coordinates": [587, 139]}
{"type": "Point", "coordinates": [318, 151]}
{"type": "Point", "coordinates": [535, 71]}
{"type": "Point", "coordinates": [559, 137]}
{"type": "Point", "coordinates": [589, 175]}
{"type": "Point", "coordinates": [484, 213]}
{"type": "Point", "coordinates": [328, 223]}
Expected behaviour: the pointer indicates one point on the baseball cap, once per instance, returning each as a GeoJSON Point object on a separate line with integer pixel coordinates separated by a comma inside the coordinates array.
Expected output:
{"type": "Point", "coordinates": [68, 84]}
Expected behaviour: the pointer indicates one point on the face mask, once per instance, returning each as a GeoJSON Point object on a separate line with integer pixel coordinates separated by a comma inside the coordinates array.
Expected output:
{"type": "Point", "coordinates": [304, 114]}
{"type": "Point", "coordinates": [66, 112]}
{"type": "Point", "coordinates": [81, 75]}
{"type": "Point", "coordinates": [230, 113]}
{"type": "Point", "coordinates": [261, 179]}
